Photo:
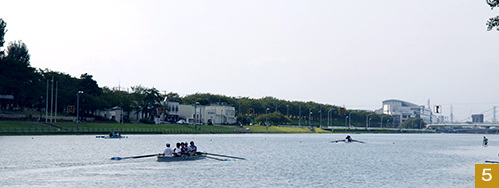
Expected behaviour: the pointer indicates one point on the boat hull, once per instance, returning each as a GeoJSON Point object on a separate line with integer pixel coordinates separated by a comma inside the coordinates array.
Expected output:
{"type": "Point", "coordinates": [108, 137]}
{"type": "Point", "coordinates": [185, 158]}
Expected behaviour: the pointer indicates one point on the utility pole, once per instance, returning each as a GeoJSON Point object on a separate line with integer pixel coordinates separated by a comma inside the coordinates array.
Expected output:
{"type": "Point", "coordinates": [55, 117]}
{"type": "Point", "coordinates": [47, 103]}
{"type": "Point", "coordinates": [299, 119]}
{"type": "Point", "coordinates": [320, 117]}
{"type": "Point", "coordinates": [78, 109]}
{"type": "Point", "coordinates": [310, 117]}
{"type": "Point", "coordinates": [52, 99]}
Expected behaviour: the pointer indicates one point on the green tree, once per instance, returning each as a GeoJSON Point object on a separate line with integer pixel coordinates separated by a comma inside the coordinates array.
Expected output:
{"type": "Point", "coordinates": [494, 21]}
{"type": "Point", "coordinates": [3, 30]}
{"type": "Point", "coordinates": [115, 97]}
{"type": "Point", "coordinates": [413, 123]}
{"type": "Point", "coordinates": [18, 51]}
{"type": "Point", "coordinates": [274, 118]}
{"type": "Point", "coordinates": [174, 97]}
{"type": "Point", "coordinates": [243, 119]}
{"type": "Point", "coordinates": [67, 87]}
{"type": "Point", "coordinates": [146, 101]}
{"type": "Point", "coordinates": [91, 101]}
{"type": "Point", "coordinates": [18, 77]}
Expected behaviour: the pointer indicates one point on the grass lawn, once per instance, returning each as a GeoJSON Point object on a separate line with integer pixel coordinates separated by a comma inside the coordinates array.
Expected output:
{"type": "Point", "coordinates": [275, 129]}
{"type": "Point", "coordinates": [22, 124]}
{"type": "Point", "coordinates": [9, 126]}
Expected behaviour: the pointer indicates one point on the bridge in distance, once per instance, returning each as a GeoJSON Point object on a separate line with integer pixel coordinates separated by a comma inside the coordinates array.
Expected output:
{"type": "Point", "coordinates": [468, 125]}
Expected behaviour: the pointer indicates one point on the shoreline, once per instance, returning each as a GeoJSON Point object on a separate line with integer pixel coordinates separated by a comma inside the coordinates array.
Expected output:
{"type": "Point", "coordinates": [10, 127]}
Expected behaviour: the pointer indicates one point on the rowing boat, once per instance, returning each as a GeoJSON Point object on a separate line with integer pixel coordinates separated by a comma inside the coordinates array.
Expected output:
{"type": "Point", "coordinates": [109, 137]}
{"type": "Point", "coordinates": [185, 158]}
{"type": "Point", "coordinates": [347, 141]}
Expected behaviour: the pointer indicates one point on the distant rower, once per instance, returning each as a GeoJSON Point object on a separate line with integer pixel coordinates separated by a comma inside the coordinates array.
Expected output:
{"type": "Point", "coordinates": [348, 138]}
{"type": "Point", "coordinates": [485, 141]}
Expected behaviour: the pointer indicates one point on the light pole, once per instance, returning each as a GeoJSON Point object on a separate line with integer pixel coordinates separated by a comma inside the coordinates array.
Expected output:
{"type": "Point", "coordinates": [299, 114]}
{"type": "Point", "coordinates": [195, 114]}
{"type": "Point", "coordinates": [40, 107]}
{"type": "Point", "coordinates": [328, 117]}
{"type": "Point", "coordinates": [387, 122]}
{"type": "Point", "coordinates": [320, 117]}
{"type": "Point", "coordinates": [310, 117]}
{"type": "Point", "coordinates": [346, 117]}
{"type": "Point", "coordinates": [78, 109]}
{"type": "Point", "coordinates": [381, 125]}
{"type": "Point", "coordinates": [266, 112]}
{"type": "Point", "coordinates": [367, 120]}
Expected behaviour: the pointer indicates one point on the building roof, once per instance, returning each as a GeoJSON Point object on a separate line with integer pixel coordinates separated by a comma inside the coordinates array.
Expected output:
{"type": "Point", "coordinates": [7, 97]}
{"type": "Point", "coordinates": [404, 103]}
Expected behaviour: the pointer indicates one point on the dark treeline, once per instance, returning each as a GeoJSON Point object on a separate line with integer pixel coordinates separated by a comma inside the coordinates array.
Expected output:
{"type": "Point", "coordinates": [29, 87]}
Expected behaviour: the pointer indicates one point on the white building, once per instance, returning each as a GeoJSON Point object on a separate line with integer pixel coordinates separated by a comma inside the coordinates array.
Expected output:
{"type": "Point", "coordinates": [113, 114]}
{"type": "Point", "coordinates": [219, 114]}
{"type": "Point", "coordinates": [213, 114]}
{"type": "Point", "coordinates": [403, 110]}
{"type": "Point", "coordinates": [173, 112]}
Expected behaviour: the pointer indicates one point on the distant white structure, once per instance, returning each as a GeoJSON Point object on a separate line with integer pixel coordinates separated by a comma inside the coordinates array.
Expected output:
{"type": "Point", "coordinates": [212, 114]}
{"type": "Point", "coordinates": [403, 110]}
{"type": "Point", "coordinates": [113, 114]}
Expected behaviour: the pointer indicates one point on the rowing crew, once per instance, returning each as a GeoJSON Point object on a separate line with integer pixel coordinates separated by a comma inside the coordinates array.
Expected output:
{"type": "Point", "coordinates": [348, 139]}
{"type": "Point", "coordinates": [115, 135]}
{"type": "Point", "coordinates": [181, 150]}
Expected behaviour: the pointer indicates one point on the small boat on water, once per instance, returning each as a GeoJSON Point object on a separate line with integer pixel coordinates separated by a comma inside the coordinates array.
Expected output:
{"type": "Point", "coordinates": [112, 137]}
{"type": "Point", "coordinates": [185, 158]}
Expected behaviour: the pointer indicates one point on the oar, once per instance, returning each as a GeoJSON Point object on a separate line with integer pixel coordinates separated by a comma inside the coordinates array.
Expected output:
{"type": "Point", "coordinates": [217, 158]}
{"type": "Point", "coordinates": [227, 156]}
{"type": "Point", "coordinates": [358, 141]}
{"type": "Point", "coordinates": [134, 157]}
{"type": "Point", "coordinates": [492, 161]}
{"type": "Point", "coordinates": [344, 140]}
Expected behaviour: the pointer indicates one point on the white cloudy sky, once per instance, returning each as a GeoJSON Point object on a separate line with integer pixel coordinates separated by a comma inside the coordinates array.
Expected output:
{"type": "Point", "coordinates": [352, 53]}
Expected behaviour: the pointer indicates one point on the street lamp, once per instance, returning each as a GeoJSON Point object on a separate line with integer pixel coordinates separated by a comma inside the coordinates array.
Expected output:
{"type": "Point", "coordinates": [195, 116]}
{"type": "Point", "coordinates": [346, 117]}
{"type": "Point", "coordinates": [310, 117]}
{"type": "Point", "coordinates": [40, 107]}
{"type": "Point", "coordinates": [320, 117]}
{"type": "Point", "coordinates": [299, 115]}
{"type": "Point", "coordinates": [328, 117]}
{"type": "Point", "coordinates": [266, 112]}
{"type": "Point", "coordinates": [367, 120]}
{"type": "Point", "coordinates": [78, 109]}
{"type": "Point", "coordinates": [381, 125]}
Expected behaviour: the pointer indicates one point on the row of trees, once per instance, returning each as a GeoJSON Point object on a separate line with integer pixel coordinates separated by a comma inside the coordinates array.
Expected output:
{"type": "Point", "coordinates": [30, 86]}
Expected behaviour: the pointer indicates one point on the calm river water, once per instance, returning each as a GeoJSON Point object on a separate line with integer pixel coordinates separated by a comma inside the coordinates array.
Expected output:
{"type": "Point", "coordinates": [277, 160]}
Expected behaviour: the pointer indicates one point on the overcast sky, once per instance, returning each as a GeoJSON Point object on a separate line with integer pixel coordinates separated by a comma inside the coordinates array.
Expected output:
{"type": "Point", "coordinates": [351, 53]}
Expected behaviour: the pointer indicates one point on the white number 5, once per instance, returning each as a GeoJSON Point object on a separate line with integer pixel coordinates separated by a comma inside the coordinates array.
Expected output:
{"type": "Point", "coordinates": [486, 174]}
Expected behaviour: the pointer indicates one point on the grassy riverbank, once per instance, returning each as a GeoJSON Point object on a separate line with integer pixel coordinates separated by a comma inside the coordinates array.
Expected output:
{"type": "Point", "coordinates": [17, 127]}
{"type": "Point", "coordinates": [30, 127]}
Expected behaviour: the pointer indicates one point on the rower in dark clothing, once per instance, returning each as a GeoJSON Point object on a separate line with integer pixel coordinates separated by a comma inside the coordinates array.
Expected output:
{"type": "Point", "coordinates": [348, 138]}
